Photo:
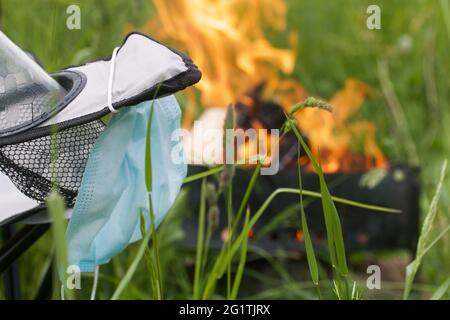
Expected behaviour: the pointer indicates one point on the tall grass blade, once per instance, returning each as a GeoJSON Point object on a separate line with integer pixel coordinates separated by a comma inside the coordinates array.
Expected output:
{"type": "Point", "coordinates": [148, 152]}
{"type": "Point", "coordinates": [229, 236]}
{"type": "Point", "coordinates": [442, 290]}
{"type": "Point", "coordinates": [331, 217]}
{"type": "Point", "coordinates": [226, 183]}
{"type": "Point", "coordinates": [333, 227]}
{"type": "Point", "coordinates": [425, 239]}
{"type": "Point", "coordinates": [148, 258]}
{"type": "Point", "coordinates": [149, 184]}
{"type": "Point", "coordinates": [200, 242]}
{"type": "Point", "coordinates": [445, 6]}
{"type": "Point", "coordinates": [203, 174]}
{"type": "Point", "coordinates": [310, 255]}
{"type": "Point", "coordinates": [242, 260]}
{"type": "Point", "coordinates": [155, 246]}
{"type": "Point", "coordinates": [132, 268]}
{"type": "Point", "coordinates": [56, 210]}
{"type": "Point", "coordinates": [247, 194]}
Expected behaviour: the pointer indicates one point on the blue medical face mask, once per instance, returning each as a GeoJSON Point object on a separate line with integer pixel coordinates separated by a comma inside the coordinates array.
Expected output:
{"type": "Point", "coordinates": [106, 216]}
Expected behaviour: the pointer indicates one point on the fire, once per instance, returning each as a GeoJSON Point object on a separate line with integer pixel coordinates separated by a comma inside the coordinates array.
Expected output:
{"type": "Point", "coordinates": [333, 133]}
{"type": "Point", "coordinates": [226, 39]}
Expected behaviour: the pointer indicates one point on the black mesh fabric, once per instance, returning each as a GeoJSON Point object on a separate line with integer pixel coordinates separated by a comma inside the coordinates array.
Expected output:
{"type": "Point", "coordinates": [33, 166]}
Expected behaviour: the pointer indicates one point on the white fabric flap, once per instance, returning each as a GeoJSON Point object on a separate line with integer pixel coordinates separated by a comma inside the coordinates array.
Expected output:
{"type": "Point", "coordinates": [141, 64]}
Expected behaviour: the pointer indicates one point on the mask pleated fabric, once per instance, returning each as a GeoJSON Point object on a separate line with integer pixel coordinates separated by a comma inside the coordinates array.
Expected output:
{"type": "Point", "coordinates": [106, 216]}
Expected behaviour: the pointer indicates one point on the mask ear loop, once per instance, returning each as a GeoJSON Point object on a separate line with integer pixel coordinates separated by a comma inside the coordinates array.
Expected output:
{"type": "Point", "coordinates": [94, 286]}
{"type": "Point", "coordinates": [111, 79]}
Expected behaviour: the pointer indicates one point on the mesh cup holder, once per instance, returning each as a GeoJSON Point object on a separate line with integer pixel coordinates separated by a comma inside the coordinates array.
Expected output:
{"type": "Point", "coordinates": [29, 164]}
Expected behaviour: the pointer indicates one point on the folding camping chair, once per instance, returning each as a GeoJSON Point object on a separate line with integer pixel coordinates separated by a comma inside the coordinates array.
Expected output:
{"type": "Point", "coordinates": [18, 208]}
{"type": "Point", "coordinates": [37, 109]}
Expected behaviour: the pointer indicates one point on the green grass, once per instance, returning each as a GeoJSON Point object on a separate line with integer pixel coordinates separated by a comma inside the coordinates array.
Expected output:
{"type": "Point", "coordinates": [406, 64]}
{"type": "Point", "coordinates": [426, 240]}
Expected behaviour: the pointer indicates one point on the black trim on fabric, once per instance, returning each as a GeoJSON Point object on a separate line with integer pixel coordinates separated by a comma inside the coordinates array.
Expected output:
{"type": "Point", "coordinates": [16, 218]}
{"type": "Point", "coordinates": [177, 83]}
{"type": "Point", "coordinates": [47, 130]}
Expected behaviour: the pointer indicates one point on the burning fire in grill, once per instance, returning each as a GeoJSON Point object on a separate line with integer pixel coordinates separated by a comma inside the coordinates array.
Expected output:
{"type": "Point", "coordinates": [227, 40]}
{"type": "Point", "coordinates": [335, 135]}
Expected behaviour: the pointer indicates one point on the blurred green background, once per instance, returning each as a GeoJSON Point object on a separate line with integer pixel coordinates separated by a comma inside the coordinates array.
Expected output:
{"type": "Point", "coordinates": [406, 63]}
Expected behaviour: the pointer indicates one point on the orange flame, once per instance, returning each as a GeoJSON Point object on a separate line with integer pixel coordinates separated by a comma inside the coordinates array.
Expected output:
{"type": "Point", "coordinates": [333, 134]}
{"type": "Point", "coordinates": [226, 39]}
